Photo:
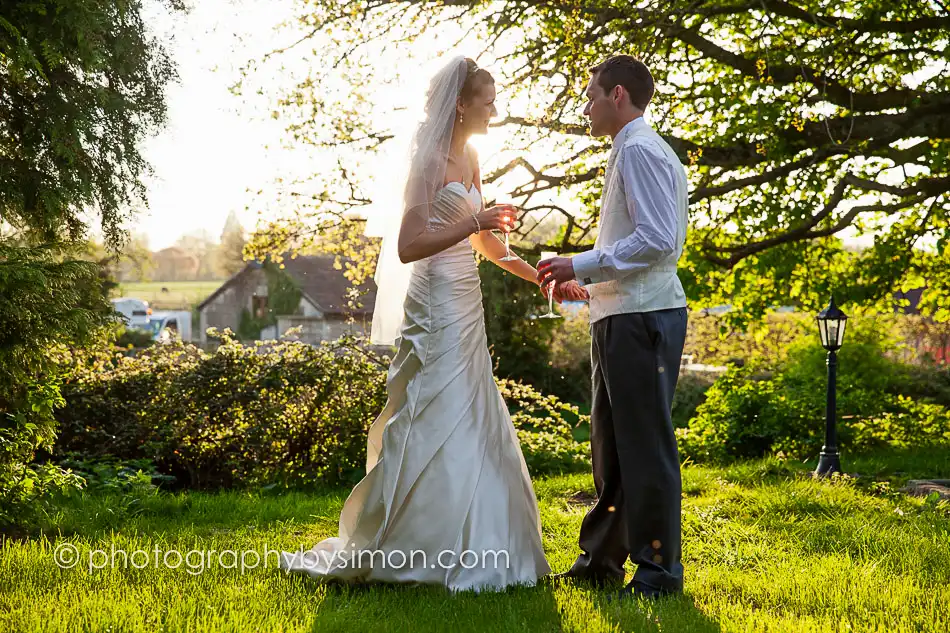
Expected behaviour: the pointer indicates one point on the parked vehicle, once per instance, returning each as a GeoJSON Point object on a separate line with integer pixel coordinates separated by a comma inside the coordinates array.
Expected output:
{"type": "Point", "coordinates": [168, 324]}
{"type": "Point", "coordinates": [135, 312]}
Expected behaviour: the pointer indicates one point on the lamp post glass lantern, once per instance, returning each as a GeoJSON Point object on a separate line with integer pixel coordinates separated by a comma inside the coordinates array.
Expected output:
{"type": "Point", "coordinates": [831, 326]}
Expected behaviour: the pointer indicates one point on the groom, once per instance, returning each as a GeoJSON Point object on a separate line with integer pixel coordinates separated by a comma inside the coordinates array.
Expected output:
{"type": "Point", "coordinates": [638, 328]}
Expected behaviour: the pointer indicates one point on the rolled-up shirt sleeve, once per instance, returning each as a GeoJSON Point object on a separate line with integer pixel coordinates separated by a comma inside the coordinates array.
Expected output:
{"type": "Point", "coordinates": [650, 190]}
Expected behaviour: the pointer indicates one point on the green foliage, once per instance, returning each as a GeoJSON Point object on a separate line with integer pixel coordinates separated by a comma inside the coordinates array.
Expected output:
{"type": "Point", "coordinates": [713, 340]}
{"type": "Point", "coordinates": [130, 338]}
{"type": "Point", "coordinates": [136, 477]}
{"type": "Point", "coordinates": [570, 363]}
{"type": "Point", "coordinates": [283, 295]}
{"type": "Point", "coordinates": [519, 344]}
{"type": "Point", "coordinates": [544, 425]}
{"type": "Point", "coordinates": [250, 326]}
{"type": "Point", "coordinates": [552, 356]}
{"type": "Point", "coordinates": [84, 84]}
{"type": "Point", "coordinates": [321, 232]}
{"type": "Point", "coordinates": [285, 413]}
{"type": "Point", "coordinates": [926, 341]}
{"type": "Point", "coordinates": [44, 302]}
{"type": "Point", "coordinates": [751, 411]}
{"type": "Point", "coordinates": [279, 413]}
{"type": "Point", "coordinates": [791, 118]}
{"type": "Point", "coordinates": [690, 392]}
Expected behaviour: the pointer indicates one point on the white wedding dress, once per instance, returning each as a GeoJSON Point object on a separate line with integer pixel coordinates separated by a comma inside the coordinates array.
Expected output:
{"type": "Point", "coordinates": [446, 481]}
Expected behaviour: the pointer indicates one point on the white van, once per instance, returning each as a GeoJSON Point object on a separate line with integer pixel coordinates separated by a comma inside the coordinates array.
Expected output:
{"type": "Point", "coordinates": [135, 312]}
{"type": "Point", "coordinates": [168, 324]}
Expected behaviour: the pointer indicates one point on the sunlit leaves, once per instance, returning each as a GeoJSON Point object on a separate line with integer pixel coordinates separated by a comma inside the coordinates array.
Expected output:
{"type": "Point", "coordinates": [772, 106]}
{"type": "Point", "coordinates": [78, 94]}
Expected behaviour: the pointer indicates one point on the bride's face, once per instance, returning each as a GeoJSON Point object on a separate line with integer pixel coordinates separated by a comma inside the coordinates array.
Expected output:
{"type": "Point", "coordinates": [480, 110]}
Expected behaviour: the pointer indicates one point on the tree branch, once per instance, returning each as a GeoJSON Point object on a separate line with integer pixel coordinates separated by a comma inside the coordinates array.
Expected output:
{"type": "Point", "coordinates": [784, 75]}
{"type": "Point", "coordinates": [858, 25]}
{"type": "Point", "coordinates": [805, 231]}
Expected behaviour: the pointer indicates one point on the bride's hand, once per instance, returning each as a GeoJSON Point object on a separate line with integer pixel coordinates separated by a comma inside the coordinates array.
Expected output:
{"type": "Point", "coordinates": [500, 217]}
{"type": "Point", "coordinates": [571, 291]}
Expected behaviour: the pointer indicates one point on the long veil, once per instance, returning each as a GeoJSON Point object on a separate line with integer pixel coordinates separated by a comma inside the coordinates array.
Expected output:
{"type": "Point", "coordinates": [421, 176]}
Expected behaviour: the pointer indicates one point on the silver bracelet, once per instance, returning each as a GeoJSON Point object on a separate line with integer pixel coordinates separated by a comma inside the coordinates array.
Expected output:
{"type": "Point", "coordinates": [478, 227]}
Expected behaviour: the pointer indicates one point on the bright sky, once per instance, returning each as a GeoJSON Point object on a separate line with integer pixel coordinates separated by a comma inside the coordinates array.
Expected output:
{"type": "Point", "coordinates": [215, 148]}
{"type": "Point", "coordinates": [211, 151]}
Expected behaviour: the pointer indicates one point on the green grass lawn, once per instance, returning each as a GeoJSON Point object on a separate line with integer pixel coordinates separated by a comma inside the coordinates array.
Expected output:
{"type": "Point", "coordinates": [765, 548]}
{"type": "Point", "coordinates": [181, 295]}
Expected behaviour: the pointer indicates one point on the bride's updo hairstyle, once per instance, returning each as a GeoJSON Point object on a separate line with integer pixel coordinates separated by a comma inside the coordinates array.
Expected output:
{"type": "Point", "coordinates": [474, 79]}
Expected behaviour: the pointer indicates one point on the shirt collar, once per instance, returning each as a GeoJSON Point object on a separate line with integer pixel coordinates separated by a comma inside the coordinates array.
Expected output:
{"type": "Point", "coordinates": [629, 127]}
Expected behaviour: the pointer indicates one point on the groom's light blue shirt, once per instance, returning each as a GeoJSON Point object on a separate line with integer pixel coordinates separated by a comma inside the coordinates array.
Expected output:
{"type": "Point", "coordinates": [649, 185]}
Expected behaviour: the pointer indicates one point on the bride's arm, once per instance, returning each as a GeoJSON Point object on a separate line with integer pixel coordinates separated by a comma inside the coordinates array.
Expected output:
{"type": "Point", "coordinates": [416, 243]}
{"type": "Point", "coordinates": [491, 248]}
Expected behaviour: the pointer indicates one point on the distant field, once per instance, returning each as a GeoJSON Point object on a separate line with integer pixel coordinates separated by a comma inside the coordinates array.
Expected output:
{"type": "Point", "coordinates": [179, 295]}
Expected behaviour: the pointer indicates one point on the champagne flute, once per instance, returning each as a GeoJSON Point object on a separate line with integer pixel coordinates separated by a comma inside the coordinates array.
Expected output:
{"type": "Point", "coordinates": [509, 257]}
{"type": "Point", "coordinates": [550, 314]}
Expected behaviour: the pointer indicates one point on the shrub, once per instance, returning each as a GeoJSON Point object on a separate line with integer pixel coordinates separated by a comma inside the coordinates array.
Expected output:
{"type": "Point", "coordinates": [46, 301]}
{"type": "Point", "coordinates": [691, 388]}
{"type": "Point", "coordinates": [545, 426]}
{"type": "Point", "coordinates": [130, 338]}
{"type": "Point", "coordinates": [282, 413]}
{"type": "Point", "coordinates": [520, 346]}
{"type": "Point", "coordinates": [754, 410]}
{"type": "Point", "coordinates": [552, 356]}
{"type": "Point", "coordinates": [570, 373]}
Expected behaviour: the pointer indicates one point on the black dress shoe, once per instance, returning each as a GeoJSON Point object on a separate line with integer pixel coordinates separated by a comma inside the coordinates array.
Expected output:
{"type": "Point", "coordinates": [597, 580]}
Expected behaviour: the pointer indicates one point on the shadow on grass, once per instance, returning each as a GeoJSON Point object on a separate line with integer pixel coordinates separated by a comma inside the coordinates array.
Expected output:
{"type": "Point", "coordinates": [413, 608]}
{"type": "Point", "coordinates": [601, 610]}
{"type": "Point", "coordinates": [896, 465]}
{"type": "Point", "coordinates": [97, 515]}
{"type": "Point", "coordinates": [550, 606]}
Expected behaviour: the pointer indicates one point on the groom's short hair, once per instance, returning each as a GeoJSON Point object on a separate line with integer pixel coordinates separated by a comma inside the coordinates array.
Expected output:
{"type": "Point", "coordinates": [629, 72]}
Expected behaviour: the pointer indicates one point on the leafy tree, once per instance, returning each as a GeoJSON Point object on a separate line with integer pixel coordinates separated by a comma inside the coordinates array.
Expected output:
{"type": "Point", "coordinates": [132, 263]}
{"type": "Point", "coordinates": [340, 236]}
{"type": "Point", "coordinates": [81, 85]}
{"type": "Point", "coordinates": [801, 122]}
{"type": "Point", "coordinates": [230, 253]}
{"type": "Point", "coordinates": [197, 247]}
{"type": "Point", "coordinates": [46, 301]}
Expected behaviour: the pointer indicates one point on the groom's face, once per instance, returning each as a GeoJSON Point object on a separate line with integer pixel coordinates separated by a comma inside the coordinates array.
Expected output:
{"type": "Point", "coordinates": [600, 108]}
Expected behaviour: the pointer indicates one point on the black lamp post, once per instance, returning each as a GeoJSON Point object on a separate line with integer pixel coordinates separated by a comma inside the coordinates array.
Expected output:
{"type": "Point", "coordinates": [831, 325]}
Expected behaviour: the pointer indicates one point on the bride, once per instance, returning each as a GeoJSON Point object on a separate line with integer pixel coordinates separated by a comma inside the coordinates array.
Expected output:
{"type": "Point", "coordinates": [447, 498]}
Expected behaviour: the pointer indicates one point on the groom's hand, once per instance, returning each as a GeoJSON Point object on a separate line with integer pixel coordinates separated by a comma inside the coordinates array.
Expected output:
{"type": "Point", "coordinates": [559, 269]}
